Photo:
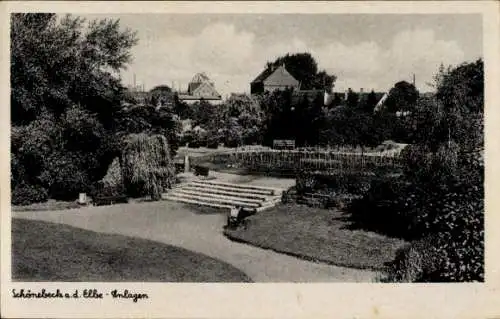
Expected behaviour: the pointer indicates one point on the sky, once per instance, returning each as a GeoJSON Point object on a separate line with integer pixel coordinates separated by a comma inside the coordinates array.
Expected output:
{"type": "Point", "coordinates": [369, 51]}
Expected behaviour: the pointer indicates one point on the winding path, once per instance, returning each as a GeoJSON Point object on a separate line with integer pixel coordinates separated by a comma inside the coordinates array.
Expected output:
{"type": "Point", "coordinates": [176, 224]}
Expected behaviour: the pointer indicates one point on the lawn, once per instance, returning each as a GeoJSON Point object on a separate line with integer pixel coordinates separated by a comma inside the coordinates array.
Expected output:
{"type": "Point", "coordinates": [43, 251]}
{"type": "Point", "coordinates": [316, 234]}
{"type": "Point", "coordinates": [48, 205]}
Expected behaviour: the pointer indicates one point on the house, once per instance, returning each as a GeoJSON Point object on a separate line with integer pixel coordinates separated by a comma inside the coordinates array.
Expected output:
{"type": "Point", "coordinates": [272, 79]}
{"type": "Point", "coordinates": [200, 88]}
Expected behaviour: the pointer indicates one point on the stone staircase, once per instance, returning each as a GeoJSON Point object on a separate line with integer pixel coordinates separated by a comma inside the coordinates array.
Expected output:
{"type": "Point", "coordinates": [225, 195]}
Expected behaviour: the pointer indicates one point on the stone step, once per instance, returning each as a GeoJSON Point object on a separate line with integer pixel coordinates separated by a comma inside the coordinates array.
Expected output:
{"type": "Point", "coordinates": [229, 187]}
{"type": "Point", "coordinates": [208, 198]}
{"type": "Point", "coordinates": [194, 201]}
{"type": "Point", "coordinates": [240, 186]}
{"type": "Point", "coordinates": [217, 196]}
{"type": "Point", "coordinates": [210, 204]}
{"type": "Point", "coordinates": [204, 189]}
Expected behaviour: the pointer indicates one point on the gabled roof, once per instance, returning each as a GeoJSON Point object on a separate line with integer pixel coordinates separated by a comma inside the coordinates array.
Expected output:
{"type": "Point", "coordinates": [281, 77]}
{"type": "Point", "coordinates": [211, 88]}
{"type": "Point", "coordinates": [263, 75]}
{"type": "Point", "coordinates": [276, 77]}
{"type": "Point", "coordinates": [200, 78]}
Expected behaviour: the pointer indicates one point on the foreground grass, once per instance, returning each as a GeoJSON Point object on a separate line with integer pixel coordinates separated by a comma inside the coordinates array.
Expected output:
{"type": "Point", "coordinates": [45, 206]}
{"type": "Point", "coordinates": [317, 234]}
{"type": "Point", "coordinates": [44, 251]}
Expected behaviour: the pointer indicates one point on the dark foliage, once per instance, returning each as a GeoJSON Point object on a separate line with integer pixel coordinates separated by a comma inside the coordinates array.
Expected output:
{"type": "Point", "coordinates": [201, 170]}
{"type": "Point", "coordinates": [402, 97]}
{"type": "Point", "coordinates": [439, 202]}
{"type": "Point", "coordinates": [24, 194]}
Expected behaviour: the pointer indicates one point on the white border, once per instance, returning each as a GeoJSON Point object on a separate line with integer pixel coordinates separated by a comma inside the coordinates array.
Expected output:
{"type": "Point", "coordinates": [272, 300]}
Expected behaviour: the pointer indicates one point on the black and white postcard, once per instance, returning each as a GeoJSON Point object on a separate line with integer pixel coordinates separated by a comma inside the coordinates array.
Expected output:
{"type": "Point", "coordinates": [250, 159]}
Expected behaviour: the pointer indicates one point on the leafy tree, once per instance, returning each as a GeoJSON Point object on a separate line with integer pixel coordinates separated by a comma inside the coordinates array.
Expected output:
{"type": "Point", "coordinates": [460, 92]}
{"type": "Point", "coordinates": [352, 98]}
{"type": "Point", "coordinates": [241, 117]}
{"type": "Point", "coordinates": [162, 95]}
{"type": "Point", "coordinates": [65, 91]}
{"type": "Point", "coordinates": [278, 115]}
{"type": "Point", "coordinates": [402, 97]}
{"type": "Point", "coordinates": [202, 112]}
{"type": "Point", "coordinates": [371, 102]}
{"type": "Point", "coordinates": [439, 201]}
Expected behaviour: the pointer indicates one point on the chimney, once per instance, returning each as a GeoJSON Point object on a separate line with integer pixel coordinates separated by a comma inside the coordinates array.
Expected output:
{"type": "Point", "coordinates": [346, 94]}
{"type": "Point", "coordinates": [361, 90]}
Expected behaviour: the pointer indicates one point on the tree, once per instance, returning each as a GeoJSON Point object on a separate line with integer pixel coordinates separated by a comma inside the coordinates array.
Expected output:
{"type": "Point", "coordinates": [460, 91]}
{"type": "Point", "coordinates": [371, 102]}
{"type": "Point", "coordinates": [65, 87]}
{"type": "Point", "coordinates": [278, 115]}
{"type": "Point", "coordinates": [162, 95]}
{"type": "Point", "coordinates": [352, 98]}
{"type": "Point", "coordinates": [304, 68]}
{"type": "Point", "coordinates": [146, 165]}
{"type": "Point", "coordinates": [241, 117]}
{"type": "Point", "coordinates": [402, 97]}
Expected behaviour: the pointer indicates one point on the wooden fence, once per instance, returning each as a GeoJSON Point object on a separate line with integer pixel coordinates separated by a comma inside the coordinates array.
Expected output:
{"type": "Point", "coordinates": [297, 160]}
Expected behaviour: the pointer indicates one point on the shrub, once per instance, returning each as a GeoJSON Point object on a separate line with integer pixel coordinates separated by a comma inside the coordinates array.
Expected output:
{"type": "Point", "coordinates": [25, 194]}
{"type": "Point", "coordinates": [147, 167]}
{"type": "Point", "coordinates": [332, 183]}
{"type": "Point", "coordinates": [65, 176]}
{"type": "Point", "coordinates": [455, 220]}
{"type": "Point", "coordinates": [179, 167]}
{"type": "Point", "coordinates": [385, 207]}
{"type": "Point", "coordinates": [201, 170]}
{"type": "Point", "coordinates": [305, 182]}
{"type": "Point", "coordinates": [414, 262]}
{"type": "Point", "coordinates": [444, 257]}
{"type": "Point", "coordinates": [213, 143]}
{"type": "Point", "coordinates": [289, 195]}
{"type": "Point", "coordinates": [112, 183]}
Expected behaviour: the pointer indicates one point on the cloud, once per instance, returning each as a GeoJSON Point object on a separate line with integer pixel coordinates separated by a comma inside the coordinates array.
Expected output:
{"type": "Point", "coordinates": [232, 58]}
{"type": "Point", "coordinates": [220, 48]}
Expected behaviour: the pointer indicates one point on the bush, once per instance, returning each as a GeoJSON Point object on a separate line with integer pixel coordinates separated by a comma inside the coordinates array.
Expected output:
{"type": "Point", "coordinates": [24, 194]}
{"type": "Point", "coordinates": [179, 167]}
{"type": "Point", "coordinates": [414, 262]}
{"type": "Point", "coordinates": [289, 195]}
{"type": "Point", "coordinates": [355, 184]}
{"type": "Point", "coordinates": [213, 143]}
{"type": "Point", "coordinates": [448, 227]}
{"type": "Point", "coordinates": [443, 257]}
{"type": "Point", "coordinates": [201, 170]}
{"type": "Point", "coordinates": [147, 167]}
{"type": "Point", "coordinates": [387, 207]}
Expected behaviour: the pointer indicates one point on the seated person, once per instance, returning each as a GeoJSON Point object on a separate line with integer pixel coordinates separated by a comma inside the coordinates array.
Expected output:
{"type": "Point", "coordinates": [234, 217]}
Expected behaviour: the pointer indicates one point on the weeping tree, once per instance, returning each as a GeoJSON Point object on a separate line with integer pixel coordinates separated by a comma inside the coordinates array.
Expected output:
{"type": "Point", "coordinates": [146, 165]}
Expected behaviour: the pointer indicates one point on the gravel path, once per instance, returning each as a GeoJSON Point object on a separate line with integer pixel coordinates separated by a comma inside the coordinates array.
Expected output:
{"type": "Point", "coordinates": [176, 224]}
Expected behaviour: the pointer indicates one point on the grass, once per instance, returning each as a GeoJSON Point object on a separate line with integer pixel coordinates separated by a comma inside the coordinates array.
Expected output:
{"type": "Point", "coordinates": [317, 234]}
{"type": "Point", "coordinates": [45, 206]}
{"type": "Point", "coordinates": [43, 251]}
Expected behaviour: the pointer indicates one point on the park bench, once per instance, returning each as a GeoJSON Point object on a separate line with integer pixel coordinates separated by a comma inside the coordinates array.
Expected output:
{"type": "Point", "coordinates": [284, 144]}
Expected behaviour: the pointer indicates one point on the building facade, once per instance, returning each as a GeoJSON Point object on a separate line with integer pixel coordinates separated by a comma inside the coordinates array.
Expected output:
{"type": "Point", "coordinates": [200, 88]}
